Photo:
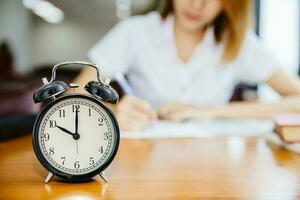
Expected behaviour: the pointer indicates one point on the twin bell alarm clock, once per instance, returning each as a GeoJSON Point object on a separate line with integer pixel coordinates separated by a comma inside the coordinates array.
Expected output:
{"type": "Point", "coordinates": [75, 136]}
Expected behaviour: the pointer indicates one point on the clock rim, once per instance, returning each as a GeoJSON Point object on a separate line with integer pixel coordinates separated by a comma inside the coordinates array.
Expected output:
{"type": "Point", "coordinates": [48, 166]}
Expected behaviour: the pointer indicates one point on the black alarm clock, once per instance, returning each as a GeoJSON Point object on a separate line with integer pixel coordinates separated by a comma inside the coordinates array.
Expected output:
{"type": "Point", "coordinates": [75, 136]}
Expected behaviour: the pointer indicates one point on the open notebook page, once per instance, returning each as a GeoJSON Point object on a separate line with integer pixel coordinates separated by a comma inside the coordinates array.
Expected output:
{"type": "Point", "coordinates": [203, 128]}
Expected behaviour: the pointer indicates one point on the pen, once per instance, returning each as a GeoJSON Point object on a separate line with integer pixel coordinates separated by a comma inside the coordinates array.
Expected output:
{"type": "Point", "coordinates": [125, 86]}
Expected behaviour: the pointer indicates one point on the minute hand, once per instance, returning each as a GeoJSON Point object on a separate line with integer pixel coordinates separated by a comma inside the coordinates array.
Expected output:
{"type": "Point", "coordinates": [65, 130]}
{"type": "Point", "coordinates": [76, 121]}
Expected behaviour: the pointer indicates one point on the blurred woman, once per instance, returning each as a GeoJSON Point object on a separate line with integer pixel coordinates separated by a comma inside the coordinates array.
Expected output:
{"type": "Point", "coordinates": [184, 62]}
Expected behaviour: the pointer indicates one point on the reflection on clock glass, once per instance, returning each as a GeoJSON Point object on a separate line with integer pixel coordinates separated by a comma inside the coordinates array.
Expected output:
{"type": "Point", "coordinates": [76, 136]}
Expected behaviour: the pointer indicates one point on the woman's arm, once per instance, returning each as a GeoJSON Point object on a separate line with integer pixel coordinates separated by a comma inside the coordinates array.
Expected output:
{"type": "Point", "coordinates": [85, 75]}
{"type": "Point", "coordinates": [286, 85]}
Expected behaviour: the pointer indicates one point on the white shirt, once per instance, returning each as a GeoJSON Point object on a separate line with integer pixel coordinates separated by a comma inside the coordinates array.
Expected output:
{"type": "Point", "coordinates": [143, 48]}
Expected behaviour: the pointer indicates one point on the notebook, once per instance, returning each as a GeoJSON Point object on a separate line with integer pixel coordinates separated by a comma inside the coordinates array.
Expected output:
{"type": "Point", "coordinates": [203, 128]}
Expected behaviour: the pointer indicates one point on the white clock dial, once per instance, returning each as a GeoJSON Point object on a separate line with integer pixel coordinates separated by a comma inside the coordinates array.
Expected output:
{"type": "Point", "coordinates": [80, 147]}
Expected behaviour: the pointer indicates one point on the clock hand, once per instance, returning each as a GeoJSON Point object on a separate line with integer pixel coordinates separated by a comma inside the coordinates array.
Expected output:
{"type": "Point", "coordinates": [77, 146]}
{"type": "Point", "coordinates": [76, 121]}
{"type": "Point", "coordinates": [65, 130]}
{"type": "Point", "coordinates": [76, 129]}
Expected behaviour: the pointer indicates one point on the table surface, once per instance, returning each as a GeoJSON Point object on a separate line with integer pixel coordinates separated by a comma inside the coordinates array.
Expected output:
{"type": "Point", "coordinates": [222, 167]}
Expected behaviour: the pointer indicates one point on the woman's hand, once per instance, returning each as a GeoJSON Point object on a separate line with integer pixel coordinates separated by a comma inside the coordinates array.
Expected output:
{"type": "Point", "coordinates": [133, 114]}
{"type": "Point", "coordinates": [182, 111]}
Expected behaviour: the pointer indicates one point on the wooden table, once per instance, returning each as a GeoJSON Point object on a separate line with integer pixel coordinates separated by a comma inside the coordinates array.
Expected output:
{"type": "Point", "coordinates": [225, 168]}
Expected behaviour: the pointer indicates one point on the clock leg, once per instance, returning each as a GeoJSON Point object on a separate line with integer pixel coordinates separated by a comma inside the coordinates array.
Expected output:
{"type": "Point", "coordinates": [49, 177]}
{"type": "Point", "coordinates": [103, 177]}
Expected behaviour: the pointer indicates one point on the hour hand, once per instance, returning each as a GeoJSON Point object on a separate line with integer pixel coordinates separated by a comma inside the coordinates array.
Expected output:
{"type": "Point", "coordinates": [65, 130]}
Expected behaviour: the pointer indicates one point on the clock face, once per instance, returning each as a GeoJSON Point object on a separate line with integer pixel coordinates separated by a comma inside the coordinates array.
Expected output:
{"type": "Point", "coordinates": [76, 135]}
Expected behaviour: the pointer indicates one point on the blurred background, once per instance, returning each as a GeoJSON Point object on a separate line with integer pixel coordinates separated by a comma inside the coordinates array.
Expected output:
{"type": "Point", "coordinates": [36, 34]}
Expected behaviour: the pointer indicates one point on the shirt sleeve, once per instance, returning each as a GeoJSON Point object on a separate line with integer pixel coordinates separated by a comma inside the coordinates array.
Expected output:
{"type": "Point", "coordinates": [114, 52]}
{"type": "Point", "coordinates": [255, 64]}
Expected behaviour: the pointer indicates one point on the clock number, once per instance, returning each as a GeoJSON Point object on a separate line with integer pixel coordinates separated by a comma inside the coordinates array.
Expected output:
{"type": "Point", "coordinates": [92, 161]}
{"type": "Point", "coordinates": [62, 113]}
{"type": "Point", "coordinates": [63, 160]}
{"type": "Point", "coordinates": [51, 151]}
{"type": "Point", "coordinates": [105, 135]}
{"type": "Point", "coordinates": [76, 165]}
{"type": "Point", "coordinates": [100, 121]}
{"type": "Point", "coordinates": [90, 112]}
{"type": "Point", "coordinates": [46, 137]}
{"type": "Point", "coordinates": [101, 150]}
{"type": "Point", "coordinates": [75, 108]}
{"type": "Point", "coordinates": [52, 123]}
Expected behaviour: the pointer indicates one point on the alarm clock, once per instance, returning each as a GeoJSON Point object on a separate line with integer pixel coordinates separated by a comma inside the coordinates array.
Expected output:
{"type": "Point", "coordinates": [75, 136]}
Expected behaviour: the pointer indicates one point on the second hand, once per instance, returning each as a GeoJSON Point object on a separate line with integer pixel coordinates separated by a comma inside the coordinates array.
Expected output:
{"type": "Point", "coordinates": [77, 146]}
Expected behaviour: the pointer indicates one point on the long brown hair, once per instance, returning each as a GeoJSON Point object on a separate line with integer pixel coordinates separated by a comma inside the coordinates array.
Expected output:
{"type": "Point", "coordinates": [230, 26]}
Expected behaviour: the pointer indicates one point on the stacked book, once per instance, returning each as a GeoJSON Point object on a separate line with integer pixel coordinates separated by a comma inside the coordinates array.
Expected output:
{"type": "Point", "coordinates": [287, 131]}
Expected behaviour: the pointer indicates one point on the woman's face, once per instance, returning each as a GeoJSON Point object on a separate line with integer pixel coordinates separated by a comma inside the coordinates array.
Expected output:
{"type": "Point", "coordinates": [193, 15]}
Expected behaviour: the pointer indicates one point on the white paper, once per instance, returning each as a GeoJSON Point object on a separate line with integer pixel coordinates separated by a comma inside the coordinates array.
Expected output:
{"type": "Point", "coordinates": [203, 128]}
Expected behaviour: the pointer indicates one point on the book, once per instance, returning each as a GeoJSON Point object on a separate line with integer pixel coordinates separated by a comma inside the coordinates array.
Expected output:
{"type": "Point", "coordinates": [274, 139]}
{"type": "Point", "coordinates": [287, 126]}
